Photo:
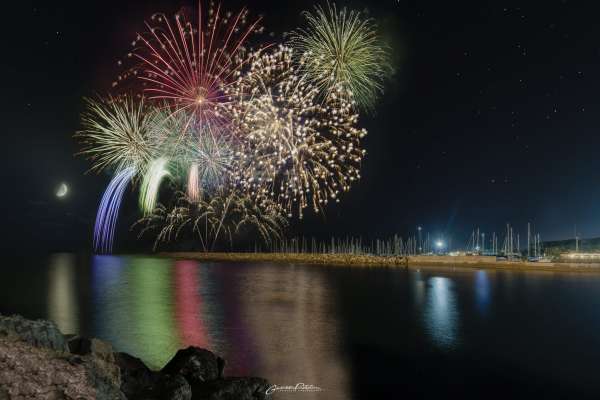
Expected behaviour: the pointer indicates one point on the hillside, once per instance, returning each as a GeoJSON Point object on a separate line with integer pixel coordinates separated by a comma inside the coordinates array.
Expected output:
{"type": "Point", "coordinates": [562, 246]}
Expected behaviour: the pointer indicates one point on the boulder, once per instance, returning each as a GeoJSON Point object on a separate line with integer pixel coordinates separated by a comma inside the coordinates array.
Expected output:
{"type": "Point", "coordinates": [231, 389]}
{"type": "Point", "coordinates": [31, 372]}
{"type": "Point", "coordinates": [38, 333]}
{"type": "Point", "coordinates": [136, 377]}
{"type": "Point", "coordinates": [196, 365]}
{"type": "Point", "coordinates": [97, 348]}
{"type": "Point", "coordinates": [173, 387]}
{"type": "Point", "coordinates": [98, 359]}
{"type": "Point", "coordinates": [36, 358]}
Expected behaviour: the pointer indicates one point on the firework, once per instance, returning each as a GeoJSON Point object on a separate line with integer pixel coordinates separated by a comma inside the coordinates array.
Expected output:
{"type": "Point", "coordinates": [170, 134]}
{"type": "Point", "coordinates": [248, 137]}
{"type": "Point", "coordinates": [214, 219]}
{"type": "Point", "coordinates": [213, 154]}
{"type": "Point", "coordinates": [200, 150]}
{"type": "Point", "coordinates": [192, 186]}
{"type": "Point", "coordinates": [168, 223]}
{"type": "Point", "coordinates": [108, 211]}
{"type": "Point", "coordinates": [186, 64]}
{"type": "Point", "coordinates": [341, 47]}
{"type": "Point", "coordinates": [266, 218]}
{"type": "Point", "coordinates": [151, 183]}
{"type": "Point", "coordinates": [115, 133]}
{"type": "Point", "coordinates": [294, 149]}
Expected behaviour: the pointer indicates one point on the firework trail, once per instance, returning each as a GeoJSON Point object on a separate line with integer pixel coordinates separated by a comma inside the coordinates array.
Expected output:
{"type": "Point", "coordinates": [151, 183]}
{"type": "Point", "coordinates": [192, 186]}
{"type": "Point", "coordinates": [108, 211]}
{"type": "Point", "coordinates": [341, 47]}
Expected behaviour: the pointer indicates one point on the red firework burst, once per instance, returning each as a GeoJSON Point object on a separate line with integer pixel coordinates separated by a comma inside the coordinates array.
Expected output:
{"type": "Point", "coordinates": [188, 65]}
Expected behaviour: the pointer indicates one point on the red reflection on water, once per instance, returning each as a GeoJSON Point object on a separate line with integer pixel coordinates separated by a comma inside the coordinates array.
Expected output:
{"type": "Point", "coordinates": [188, 305]}
{"type": "Point", "coordinates": [237, 330]}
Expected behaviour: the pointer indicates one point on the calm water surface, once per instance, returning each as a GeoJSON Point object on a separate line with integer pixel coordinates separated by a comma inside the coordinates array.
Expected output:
{"type": "Point", "coordinates": [357, 333]}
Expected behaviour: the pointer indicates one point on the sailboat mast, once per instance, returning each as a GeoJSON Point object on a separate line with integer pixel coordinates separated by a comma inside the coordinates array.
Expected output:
{"type": "Point", "coordinates": [528, 238]}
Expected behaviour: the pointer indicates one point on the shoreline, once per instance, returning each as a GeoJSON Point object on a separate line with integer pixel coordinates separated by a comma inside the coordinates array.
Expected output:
{"type": "Point", "coordinates": [38, 361]}
{"type": "Point", "coordinates": [409, 262]}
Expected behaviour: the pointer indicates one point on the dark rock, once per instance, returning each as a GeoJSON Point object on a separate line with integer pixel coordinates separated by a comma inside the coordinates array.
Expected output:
{"type": "Point", "coordinates": [105, 378]}
{"type": "Point", "coordinates": [75, 360]}
{"type": "Point", "coordinates": [196, 365]}
{"type": "Point", "coordinates": [30, 372]}
{"type": "Point", "coordinates": [99, 361]}
{"type": "Point", "coordinates": [83, 346]}
{"type": "Point", "coordinates": [39, 333]}
{"type": "Point", "coordinates": [83, 365]}
{"type": "Point", "coordinates": [79, 345]}
{"type": "Point", "coordinates": [231, 389]}
{"type": "Point", "coordinates": [173, 387]}
{"type": "Point", "coordinates": [136, 378]}
{"type": "Point", "coordinates": [139, 382]}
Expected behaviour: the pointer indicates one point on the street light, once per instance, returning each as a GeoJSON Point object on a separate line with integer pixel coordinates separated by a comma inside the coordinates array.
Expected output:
{"type": "Point", "coordinates": [439, 245]}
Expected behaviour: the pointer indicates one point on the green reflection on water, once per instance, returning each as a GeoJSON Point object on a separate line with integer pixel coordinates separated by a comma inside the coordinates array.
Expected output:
{"type": "Point", "coordinates": [155, 338]}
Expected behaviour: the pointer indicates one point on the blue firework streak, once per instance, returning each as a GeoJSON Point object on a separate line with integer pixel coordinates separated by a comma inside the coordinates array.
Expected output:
{"type": "Point", "coordinates": [106, 219]}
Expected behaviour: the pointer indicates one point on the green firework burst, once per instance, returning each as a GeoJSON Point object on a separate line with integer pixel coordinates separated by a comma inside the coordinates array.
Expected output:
{"type": "Point", "coordinates": [342, 48]}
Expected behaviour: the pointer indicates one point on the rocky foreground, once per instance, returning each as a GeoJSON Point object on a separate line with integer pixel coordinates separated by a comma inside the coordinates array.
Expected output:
{"type": "Point", "coordinates": [38, 362]}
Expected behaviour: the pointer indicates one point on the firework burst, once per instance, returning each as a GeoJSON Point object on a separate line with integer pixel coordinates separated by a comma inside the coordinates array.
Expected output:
{"type": "Point", "coordinates": [209, 164]}
{"type": "Point", "coordinates": [170, 134]}
{"type": "Point", "coordinates": [198, 149]}
{"type": "Point", "coordinates": [341, 47]}
{"type": "Point", "coordinates": [115, 133]}
{"type": "Point", "coordinates": [247, 137]}
{"type": "Point", "coordinates": [294, 148]}
{"type": "Point", "coordinates": [186, 64]}
{"type": "Point", "coordinates": [213, 155]}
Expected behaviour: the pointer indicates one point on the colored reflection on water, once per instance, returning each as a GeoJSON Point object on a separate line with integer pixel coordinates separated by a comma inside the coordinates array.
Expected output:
{"type": "Point", "coordinates": [440, 313]}
{"type": "Point", "coordinates": [153, 309]}
{"type": "Point", "coordinates": [112, 312]}
{"type": "Point", "coordinates": [239, 341]}
{"type": "Point", "coordinates": [189, 308]}
{"type": "Point", "coordinates": [134, 306]}
{"type": "Point", "coordinates": [482, 291]}
{"type": "Point", "coordinates": [62, 296]}
{"type": "Point", "coordinates": [258, 319]}
{"type": "Point", "coordinates": [300, 305]}
{"type": "Point", "coordinates": [347, 330]}
{"type": "Point", "coordinates": [418, 289]}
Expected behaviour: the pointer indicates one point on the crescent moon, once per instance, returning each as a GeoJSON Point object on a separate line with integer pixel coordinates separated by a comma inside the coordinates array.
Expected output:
{"type": "Point", "coordinates": [62, 190]}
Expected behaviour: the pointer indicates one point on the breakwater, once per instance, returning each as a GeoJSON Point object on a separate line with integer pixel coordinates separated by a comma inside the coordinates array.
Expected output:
{"type": "Point", "coordinates": [366, 260]}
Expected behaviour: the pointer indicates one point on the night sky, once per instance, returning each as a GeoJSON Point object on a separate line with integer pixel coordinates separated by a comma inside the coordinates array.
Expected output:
{"type": "Point", "coordinates": [492, 117]}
